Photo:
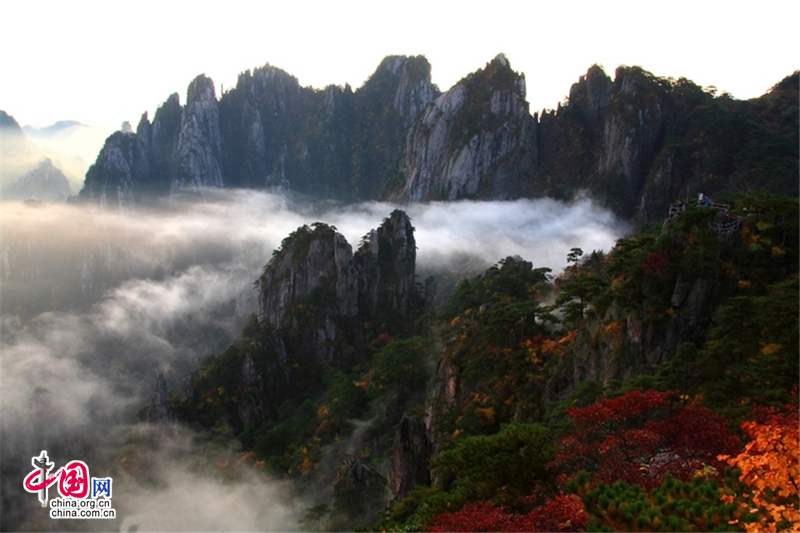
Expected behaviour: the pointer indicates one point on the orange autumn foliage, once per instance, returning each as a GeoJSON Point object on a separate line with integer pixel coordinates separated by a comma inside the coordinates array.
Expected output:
{"type": "Point", "coordinates": [770, 466]}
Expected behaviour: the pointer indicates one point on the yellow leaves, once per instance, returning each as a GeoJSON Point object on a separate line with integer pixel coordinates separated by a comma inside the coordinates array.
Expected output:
{"type": "Point", "coordinates": [487, 414]}
{"type": "Point", "coordinates": [221, 391]}
{"type": "Point", "coordinates": [323, 412]}
{"type": "Point", "coordinates": [744, 284]}
{"type": "Point", "coordinates": [771, 348]}
{"type": "Point", "coordinates": [455, 321]}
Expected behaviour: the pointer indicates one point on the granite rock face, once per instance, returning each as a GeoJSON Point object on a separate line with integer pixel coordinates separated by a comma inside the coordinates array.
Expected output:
{"type": "Point", "coordinates": [476, 140]}
{"type": "Point", "coordinates": [199, 146]}
{"type": "Point", "coordinates": [315, 279]}
{"type": "Point", "coordinates": [635, 143]}
{"type": "Point", "coordinates": [269, 132]}
{"type": "Point", "coordinates": [633, 131]}
{"type": "Point", "coordinates": [411, 452]}
{"type": "Point", "coordinates": [121, 169]}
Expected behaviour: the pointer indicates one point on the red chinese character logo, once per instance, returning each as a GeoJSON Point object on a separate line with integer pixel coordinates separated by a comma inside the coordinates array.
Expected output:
{"type": "Point", "coordinates": [74, 480]}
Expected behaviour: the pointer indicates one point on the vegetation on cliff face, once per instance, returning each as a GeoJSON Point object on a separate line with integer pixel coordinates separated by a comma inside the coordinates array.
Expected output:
{"type": "Point", "coordinates": [610, 397]}
{"type": "Point", "coordinates": [640, 142]}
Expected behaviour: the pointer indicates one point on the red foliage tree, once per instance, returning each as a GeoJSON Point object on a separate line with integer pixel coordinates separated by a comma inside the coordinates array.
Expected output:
{"type": "Point", "coordinates": [561, 513]}
{"type": "Point", "coordinates": [641, 436]}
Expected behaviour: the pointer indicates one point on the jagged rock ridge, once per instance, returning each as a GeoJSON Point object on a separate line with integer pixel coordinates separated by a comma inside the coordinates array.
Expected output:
{"type": "Point", "coordinates": [269, 131]}
{"type": "Point", "coordinates": [315, 278]}
{"type": "Point", "coordinates": [637, 142]}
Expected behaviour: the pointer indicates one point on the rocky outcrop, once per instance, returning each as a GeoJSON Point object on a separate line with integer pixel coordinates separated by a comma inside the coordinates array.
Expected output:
{"type": "Point", "coordinates": [414, 88]}
{"type": "Point", "coordinates": [163, 138]}
{"type": "Point", "coordinates": [121, 170]}
{"type": "Point", "coordinates": [476, 140]}
{"type": "Point", "coordinates": [591, 96]}
{"type": "Point", "coordinates": [46, 183]}
{"type": "Point", "coordinates": [625, 342]}
{"type": "Point", "coordinates": [411, 452]}
{"type": "Point", "coordinates": [199, 147]}
{"type": "Point", "coordinates": [387, 263]}
{"type": "Point", "coordinates": [357, 492]}
{"type": "Point", "coordinates": [316, 279]}
{"type": "Point", "coordinates": [633, 131]}
{"type": "Point", "coordinates": [316, 258]}
{"type": "Point", "coordinates": [161, 413]}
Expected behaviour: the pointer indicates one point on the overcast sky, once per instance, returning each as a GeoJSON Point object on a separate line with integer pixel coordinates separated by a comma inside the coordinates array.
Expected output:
{"type": "Point", "coordinates": [105, 62]}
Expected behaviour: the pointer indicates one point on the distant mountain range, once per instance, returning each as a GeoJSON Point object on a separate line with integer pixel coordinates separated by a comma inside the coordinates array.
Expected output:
{"type": "Point", "coordinates": [59, 128]}
{"type": "Point", "coordinates": [44, 183]}
{"type": "Point", "coordinates": [636, 142]}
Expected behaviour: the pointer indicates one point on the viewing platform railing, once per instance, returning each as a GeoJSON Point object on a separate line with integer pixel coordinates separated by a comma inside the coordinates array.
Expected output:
{"type": "Point", "coordinates": [722, 228]}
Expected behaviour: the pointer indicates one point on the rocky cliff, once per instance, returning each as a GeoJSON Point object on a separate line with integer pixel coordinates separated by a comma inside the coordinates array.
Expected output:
{"type": "Point", "coordinates": [636, 142]}
{"type": "Point", "coordinates": [315, 282]}
{"type": "Point", "coordinates": [268, 131]}
{"type": "Point", "coordinates": [639, 142]}
{"type": "Point", "coordinates": [199, 147]}
{"type": "Point", "coordinates": [117, 178]}
{"type": "Point", "coordinates": [477, 140]}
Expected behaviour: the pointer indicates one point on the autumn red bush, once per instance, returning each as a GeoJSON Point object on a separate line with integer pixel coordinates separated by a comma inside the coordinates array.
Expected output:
{"type": "Point", "coordinates": [560, 513]}
{"type": "Point", "coordinates": [641, 436]}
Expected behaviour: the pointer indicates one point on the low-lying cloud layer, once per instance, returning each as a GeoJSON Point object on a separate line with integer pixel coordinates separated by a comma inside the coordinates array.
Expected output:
{"type": "Point", "coordinates": [95, 305]}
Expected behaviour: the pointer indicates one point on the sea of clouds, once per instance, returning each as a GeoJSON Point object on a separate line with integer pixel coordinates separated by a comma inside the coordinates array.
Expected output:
{"type": "Point", "coordinates": [96, 304]}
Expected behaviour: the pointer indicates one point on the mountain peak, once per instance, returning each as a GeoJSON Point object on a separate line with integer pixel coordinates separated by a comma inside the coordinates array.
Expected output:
{"type": "Point", "coordinates": [501, 60]}
{"type": "Point", "coordinates": [9, 124]}
{"type": "Point", "coordinates": [201, 89]}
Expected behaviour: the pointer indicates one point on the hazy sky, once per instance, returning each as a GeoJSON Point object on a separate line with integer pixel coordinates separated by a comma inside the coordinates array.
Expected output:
{"type": "Point", "coordinates": [102, 63]}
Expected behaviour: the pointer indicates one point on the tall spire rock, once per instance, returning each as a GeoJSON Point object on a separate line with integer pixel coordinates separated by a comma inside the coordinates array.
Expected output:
{"type": "Point", "coordinates": [199, 147]}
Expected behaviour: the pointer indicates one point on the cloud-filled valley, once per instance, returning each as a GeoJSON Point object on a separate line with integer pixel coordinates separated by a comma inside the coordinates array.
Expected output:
{"type": "Point", "coordinates": [95, 305]}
